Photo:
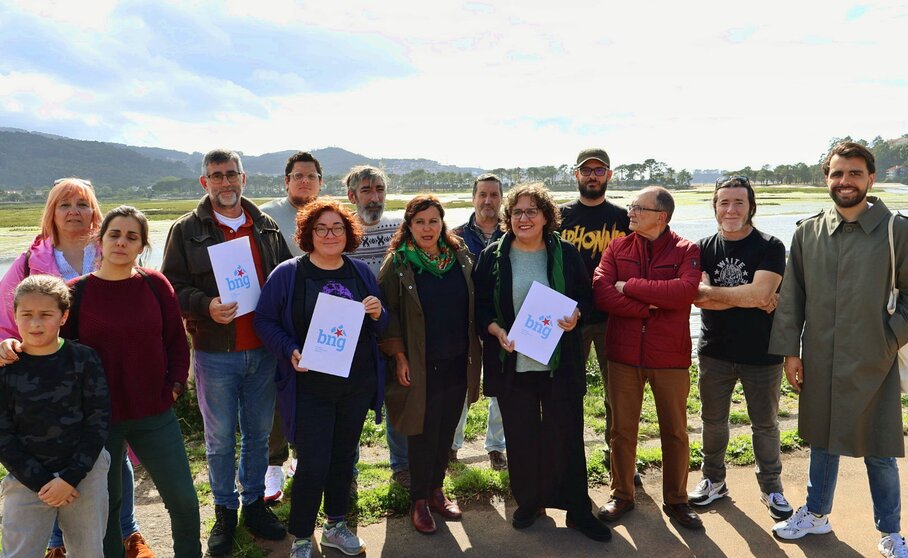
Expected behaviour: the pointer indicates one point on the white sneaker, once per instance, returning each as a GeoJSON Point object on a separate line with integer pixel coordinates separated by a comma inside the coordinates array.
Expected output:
{"type": "Point", "coordinates": [274, 484]}
{"type": "Point", "coordinates": [707, 492]}
{"type": "Point", "coordinates": [779, 508]}
{"type": "Point", "coordinates": [802, 523]}
{"type": "Point", "coordinates": [292, 467]}
{"type": "Point", "coordinates": [893, 546]}
{"type": "Point", "coordinates": [301, 549]}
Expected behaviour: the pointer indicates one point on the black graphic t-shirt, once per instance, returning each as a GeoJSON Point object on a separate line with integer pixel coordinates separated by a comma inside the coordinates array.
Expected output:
{"type": "Point", "coordinates": [591, 229]}
{"type": "Point", "coordinates": [738, 334]}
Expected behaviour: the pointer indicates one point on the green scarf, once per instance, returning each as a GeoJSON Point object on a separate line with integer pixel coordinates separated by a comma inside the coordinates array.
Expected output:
{"type": "Point", "coordinates": [556, 279]}
{"type": "Point", "coordinates": [421, 261]}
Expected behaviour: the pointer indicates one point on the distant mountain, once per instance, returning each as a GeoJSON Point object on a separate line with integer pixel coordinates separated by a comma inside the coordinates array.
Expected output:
{"type": "Point", "coordinates": [37, 159]}
{"type": "Point", "coordinates": [34, 159]}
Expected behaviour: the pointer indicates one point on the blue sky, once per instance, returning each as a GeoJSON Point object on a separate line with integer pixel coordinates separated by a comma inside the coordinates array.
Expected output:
{"type": "Point", "coordinates": [698, 85]}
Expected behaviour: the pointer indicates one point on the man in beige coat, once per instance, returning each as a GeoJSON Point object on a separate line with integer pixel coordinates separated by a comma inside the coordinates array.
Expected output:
{"type": "Point", "coordinates": [840, 345]}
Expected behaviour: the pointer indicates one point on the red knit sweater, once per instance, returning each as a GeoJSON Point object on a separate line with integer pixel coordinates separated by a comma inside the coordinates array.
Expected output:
{"type": "Point", "coordinates": [141, 342]}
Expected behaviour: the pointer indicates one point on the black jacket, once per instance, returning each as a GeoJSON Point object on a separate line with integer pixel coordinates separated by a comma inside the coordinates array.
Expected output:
{"type": "Point", "coordinates": [571, 367]}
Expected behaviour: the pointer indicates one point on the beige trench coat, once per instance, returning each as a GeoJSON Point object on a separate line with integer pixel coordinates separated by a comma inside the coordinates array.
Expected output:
{"type": "Point", "coordinates": [832, 312]}
{"type": "Point", "coordinates": [407, 332]}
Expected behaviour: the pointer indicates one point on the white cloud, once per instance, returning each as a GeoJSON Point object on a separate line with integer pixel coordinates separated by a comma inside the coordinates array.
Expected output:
{"type": "Point", "coordinates": [708, 84]}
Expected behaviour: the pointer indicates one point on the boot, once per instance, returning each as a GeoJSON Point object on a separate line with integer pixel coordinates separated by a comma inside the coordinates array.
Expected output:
{"type": "Point", "coordinates": [261, 522]}
{"type": "Point", "coordinates": [444, 507]}
{"type": "Point", "coordinates": [422, 518]}
{"type": "Point", "coordinates": [220, 541]}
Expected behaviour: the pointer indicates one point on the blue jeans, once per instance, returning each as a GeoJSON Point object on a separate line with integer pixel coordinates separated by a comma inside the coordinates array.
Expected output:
{"type": "Point", "coordinates": [494, 429]}
{"type": "Point", "coordinates": [236, 388]}
{"type": "Point", "coordinates": [883, 474]}
{"type": "Point", "coordinates": [397, 447]}
{"type": "Point", "coordinates": [128, 524]}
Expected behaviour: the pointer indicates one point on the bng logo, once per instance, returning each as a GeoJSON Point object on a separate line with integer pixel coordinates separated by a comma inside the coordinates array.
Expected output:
{"type": "Point", "coordinates": [542, 325]}
{"type": "Point", "coordinates": [336, 338]}
{"type": "Point", "coordinates": [240, 279]}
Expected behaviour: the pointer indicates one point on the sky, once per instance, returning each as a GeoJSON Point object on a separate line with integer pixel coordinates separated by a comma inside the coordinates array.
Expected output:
{"type": "Point", "coordinates": [703, 84]}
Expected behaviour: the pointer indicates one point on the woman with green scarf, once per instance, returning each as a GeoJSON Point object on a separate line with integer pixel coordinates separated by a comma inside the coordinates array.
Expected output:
{"type": "Point", "coordinates": [433, 349]}
{"type": "Point", "coordinates": [541, 402]}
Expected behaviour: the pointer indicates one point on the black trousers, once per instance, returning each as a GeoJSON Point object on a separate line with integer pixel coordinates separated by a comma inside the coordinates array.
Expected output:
{"type": "Point", "coordinates": [543, 428]}
{"type": "Point", "coordinates": [327, 437]}
{"type": "Point", "coordinates": [446, 389]}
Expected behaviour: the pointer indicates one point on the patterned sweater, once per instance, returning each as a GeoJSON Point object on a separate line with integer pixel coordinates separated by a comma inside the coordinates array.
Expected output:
{"type": "Point", "coordinates": [54, 415]}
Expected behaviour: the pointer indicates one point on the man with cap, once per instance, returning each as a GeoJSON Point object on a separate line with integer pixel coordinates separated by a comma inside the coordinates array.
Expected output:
{"type": "Point", "coordinates": [590, 223]}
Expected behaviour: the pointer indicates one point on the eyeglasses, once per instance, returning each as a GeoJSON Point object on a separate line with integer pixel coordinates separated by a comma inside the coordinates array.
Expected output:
{"type": "Point", "coordinates": [81, 181]}
{"type": "Point", "coordinates": [297, 176]}
{"type": "Point", "coordinates": [531, 213]}
{"type": "Point", "coordinates": [337, 230]}
{"type": "Point", "coordinates": [637, 208]}
{"type": "Point", "coordinates": [598, 171]}
{"type": "Point", "coordinates": [232, 177]}
{"type": "Point", "coordinates": [737, 180]}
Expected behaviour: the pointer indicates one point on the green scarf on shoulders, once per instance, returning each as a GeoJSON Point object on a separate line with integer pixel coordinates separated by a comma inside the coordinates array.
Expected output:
{"type": "Point", "coordinates": [556, 279]}
{"type": "Point", "coordinates": [421, 261]}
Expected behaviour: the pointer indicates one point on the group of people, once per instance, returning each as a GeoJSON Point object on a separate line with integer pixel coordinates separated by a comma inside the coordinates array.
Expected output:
{"type": "Point", "coordinates": [438, 306]}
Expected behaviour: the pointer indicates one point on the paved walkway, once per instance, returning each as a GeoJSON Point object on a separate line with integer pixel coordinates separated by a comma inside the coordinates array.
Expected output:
{"type": "Point", "coordinates": [735, 526]}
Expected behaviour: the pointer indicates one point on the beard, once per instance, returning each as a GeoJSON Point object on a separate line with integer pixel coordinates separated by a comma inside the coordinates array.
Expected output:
{"type": "Point", "coordinates": [226, 199]}
{"type": "Point", "coordinates": [592, 193]}
{"type": "Point", "coordinates": [844, 204]}
{"type": "Point", "coordinates": [372, 213]}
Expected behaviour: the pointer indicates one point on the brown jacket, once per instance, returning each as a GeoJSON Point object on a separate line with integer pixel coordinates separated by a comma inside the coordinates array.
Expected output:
{"type": "Point", "coordinates": [407, 333]}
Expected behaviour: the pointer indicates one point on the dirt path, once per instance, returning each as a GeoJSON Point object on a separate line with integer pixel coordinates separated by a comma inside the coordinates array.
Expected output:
{"type": "Point", "coordinates": [155, 523]}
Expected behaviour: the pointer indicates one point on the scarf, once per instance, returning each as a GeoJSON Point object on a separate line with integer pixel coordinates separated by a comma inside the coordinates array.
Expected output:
{"type": "Point", "coordinates": [556, 279]}
{"type": "Point", "coordinates": [421, 261]}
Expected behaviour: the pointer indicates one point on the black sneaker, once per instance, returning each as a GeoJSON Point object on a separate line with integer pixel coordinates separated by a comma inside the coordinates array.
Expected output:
{"type": "Point", "coordinates": [261, 522]}
{"type": "Point", "coordinates": [220, 541]}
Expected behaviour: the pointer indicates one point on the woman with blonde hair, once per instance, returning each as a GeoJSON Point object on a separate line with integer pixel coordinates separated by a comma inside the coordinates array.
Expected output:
{"type": "Point", "coordinates": [66, 247]}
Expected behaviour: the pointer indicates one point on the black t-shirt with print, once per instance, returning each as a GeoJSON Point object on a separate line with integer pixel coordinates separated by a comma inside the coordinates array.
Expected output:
{"type": "Point", "coordinates": [739, 334]}
{"type": "Point", "coordinates": [590, 229]}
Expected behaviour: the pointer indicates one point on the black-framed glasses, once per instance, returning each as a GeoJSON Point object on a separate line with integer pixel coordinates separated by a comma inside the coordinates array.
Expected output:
{"type": "Point", "coordinates": [232, 177]}
{"type": "Point", "coordinates": [737, 180]}
{"type": "Point", "coordinates": [598, 171]}
{"type": "Point", "coordinates": [321, 231]}
{"type": "Point", "coordinates": [531, 213]}
{"type": "Point", "coordinates": [297, 176]}
{"type": "Point", "coordinates": [637, 208]}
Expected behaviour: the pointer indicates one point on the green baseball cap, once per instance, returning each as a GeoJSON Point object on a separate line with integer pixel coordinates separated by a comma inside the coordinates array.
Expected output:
{"type": "Point", "coordinates": [593, 153]}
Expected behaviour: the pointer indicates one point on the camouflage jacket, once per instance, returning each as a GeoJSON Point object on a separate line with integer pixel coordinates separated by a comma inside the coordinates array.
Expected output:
{"type": "Point", "coordinates": [54, 415]}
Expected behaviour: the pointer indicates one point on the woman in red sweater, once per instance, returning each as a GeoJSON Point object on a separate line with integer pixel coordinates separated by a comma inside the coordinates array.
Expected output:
{"type": "Point", "coordinates": [131, 317]}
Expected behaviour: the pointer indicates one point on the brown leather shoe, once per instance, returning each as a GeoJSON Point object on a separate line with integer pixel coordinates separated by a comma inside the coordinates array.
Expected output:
{"type": "Point", "coordinates": [684, 515]}
{"type": "Point", "coordinates": [55, 552]}
{"type": "Point", "coordinates": [136, 547]}
{"type": "Point", "coordinates": [421, 517]}
{"type": "Point", "coordinates": [615, 508]}
{"type": "Point", "coordinates": [444, 507]}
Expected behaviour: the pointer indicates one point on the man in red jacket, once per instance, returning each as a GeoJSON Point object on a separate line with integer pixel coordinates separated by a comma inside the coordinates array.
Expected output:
{"type": "Point", "coordinates": [646, 282]}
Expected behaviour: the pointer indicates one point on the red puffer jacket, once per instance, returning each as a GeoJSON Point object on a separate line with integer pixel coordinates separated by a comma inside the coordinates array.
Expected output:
{"type": "Point", "coordinates": [664, 274]}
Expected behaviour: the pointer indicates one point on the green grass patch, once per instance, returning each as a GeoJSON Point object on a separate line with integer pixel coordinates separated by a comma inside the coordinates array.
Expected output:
{"type": "Point", "coordinates": [738, 417]}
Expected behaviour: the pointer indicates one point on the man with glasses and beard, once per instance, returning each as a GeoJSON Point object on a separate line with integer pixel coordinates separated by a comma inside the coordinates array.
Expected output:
{"type": "Point", "coordinates": [590, 223]}
{"type": "Point", "coordinates": [234, 372]}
